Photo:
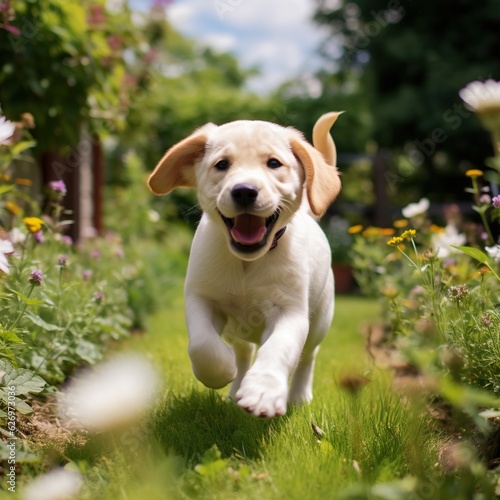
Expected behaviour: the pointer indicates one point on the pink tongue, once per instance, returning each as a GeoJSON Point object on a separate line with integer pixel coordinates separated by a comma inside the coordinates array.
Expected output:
{"type": "Point", "coordinates": [248, 229]}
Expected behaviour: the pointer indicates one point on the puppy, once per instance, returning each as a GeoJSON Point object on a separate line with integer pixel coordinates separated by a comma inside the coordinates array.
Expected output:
{"type": "Point", "coordinates": [259, 271]}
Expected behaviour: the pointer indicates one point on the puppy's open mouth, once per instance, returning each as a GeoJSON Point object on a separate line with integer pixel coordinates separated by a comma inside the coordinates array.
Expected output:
{"type": "Point", "coordinates": [250, 232]}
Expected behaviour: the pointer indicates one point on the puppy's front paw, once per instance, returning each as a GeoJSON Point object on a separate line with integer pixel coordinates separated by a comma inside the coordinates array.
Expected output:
{"type": "Point", "coordinates": [213, 363]}
{"type": "Point", "coordinates": [263, 394]}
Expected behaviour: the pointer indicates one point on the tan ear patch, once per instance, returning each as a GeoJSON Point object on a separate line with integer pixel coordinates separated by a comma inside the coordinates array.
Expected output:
{"type": "Point", "coordinates": [176, 168]}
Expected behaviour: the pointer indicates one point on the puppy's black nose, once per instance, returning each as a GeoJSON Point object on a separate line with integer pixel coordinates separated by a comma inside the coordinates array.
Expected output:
{"type": "Point", "coordinates": [244, 194]}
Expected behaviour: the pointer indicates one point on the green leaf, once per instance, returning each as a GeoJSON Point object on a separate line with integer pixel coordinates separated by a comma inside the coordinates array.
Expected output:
{"type": "Point", "coordinates": [88, 351]}
{"type": "Point", "coordinates": [10, 336]}
{"type": "Point", "coordinates": [43, 324]}
{"type": "Point", "coordinates": [22, 146]}
{"type": "Point", "coordinates": [475, 253]}
{"type": "Point", "coordinates": [27, 300]}
{"type": "Point", "coordinates": [24, 381]}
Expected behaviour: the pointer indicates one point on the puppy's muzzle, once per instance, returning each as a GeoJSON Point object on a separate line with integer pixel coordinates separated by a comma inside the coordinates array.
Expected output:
{"type": "Point", "coordinates": [244, 195]}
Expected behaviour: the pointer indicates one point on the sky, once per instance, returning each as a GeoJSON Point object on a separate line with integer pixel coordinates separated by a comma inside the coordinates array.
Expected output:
{"type": "Point", "coordinates": [276, 36]}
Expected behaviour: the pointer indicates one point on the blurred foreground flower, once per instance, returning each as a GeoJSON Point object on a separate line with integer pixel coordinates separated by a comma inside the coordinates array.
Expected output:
{"type": "Point", "coordinates": [7, 129]}
{"type": "Point", "coordinates": [58, 484]}
{"type": "Point", "coordinates": [5, 249]}
{"type": "Point", "coordinates": [444, 241]}
{"type": "Point", "coordinates": [484, 99]}
{"type": "Point", "coordinates": [494, 252]}
{"type": "Point", "coordinates": [33, 224]}
{"type": "Point", "coordinates": [414, 209]}
{"type": "Point", "coordinates": [111, 395]}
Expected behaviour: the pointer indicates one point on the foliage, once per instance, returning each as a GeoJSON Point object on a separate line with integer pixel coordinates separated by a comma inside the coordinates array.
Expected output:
{"type": "Point", "coordinates": [410, 70]}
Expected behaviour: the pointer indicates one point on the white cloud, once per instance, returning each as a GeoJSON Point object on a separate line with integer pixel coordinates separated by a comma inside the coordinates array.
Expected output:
{"type": "Point", "coordinates": [277, 36]}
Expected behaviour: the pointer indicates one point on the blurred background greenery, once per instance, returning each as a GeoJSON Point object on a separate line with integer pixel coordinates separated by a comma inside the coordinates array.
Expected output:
{"type": "Point", "coordinates": [130, 79]}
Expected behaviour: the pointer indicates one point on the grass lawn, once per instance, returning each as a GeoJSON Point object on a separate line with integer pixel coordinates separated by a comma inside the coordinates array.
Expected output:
{"type": "Point", "coordinates": [198, 444]}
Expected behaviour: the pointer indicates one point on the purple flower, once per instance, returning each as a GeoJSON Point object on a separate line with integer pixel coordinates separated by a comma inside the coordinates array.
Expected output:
{"type": "Point", "coordinates": [36, 277]}
{"type": "Point", "coordinates": [98, 297]}
{"type": "Point", "coordinates": [39, 238]}
{"type": "Point", "coordinates": [67, 240]}
{"type": "Point", "coordinates": [496, 201]}
{"type": "Point", "coordinates": [87, 274]}
{"type": "Point", "coordinates": [58, 187]}
{"type": "Point", "coordinates": [62, 260]}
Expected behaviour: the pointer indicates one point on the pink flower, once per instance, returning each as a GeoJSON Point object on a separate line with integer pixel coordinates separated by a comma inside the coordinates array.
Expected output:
{"type": "Point", "coordinates": [58, 186]}
{"type": "Point", "coordinates": [496, 201]}
{"type": "Point", "coordinates": [36, 277]}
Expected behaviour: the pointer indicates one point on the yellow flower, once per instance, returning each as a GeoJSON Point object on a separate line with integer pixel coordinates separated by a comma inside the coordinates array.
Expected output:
{"type": "Point", "coordinates": [24, 182]}
{"type": "Point", "coordinates": [474, 172]}
{"type": "Point", "coordinates": [400, 223]}
{"type": "Point", "coordinates": [355, 229]}
{"type": "Point", "coordinates": [386, 231]}
{"type": "Point", "coordinates": [34, 224]}
{"type": "Point", "coordinates": [13, 207]}
{"type": "Point", "coordinates": [409, 233]}
{"type": "Point", "coordinates": [395, 241]}
{"type": "Point", "coordinates": [371, 231]}
{"type": "Point", "coordinates": [434, 228]}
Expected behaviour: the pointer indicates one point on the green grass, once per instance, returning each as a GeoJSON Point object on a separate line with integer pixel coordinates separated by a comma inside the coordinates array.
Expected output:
{"type": "Point", "coordinates": [198, 444]}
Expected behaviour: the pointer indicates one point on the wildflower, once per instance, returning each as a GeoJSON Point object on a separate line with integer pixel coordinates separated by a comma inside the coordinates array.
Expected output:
{"type": "Point", "coordinates": [485, 199]}
{"type": "Point", "coordinates": [457, 293]}
{"type": "Point", "coordinates": [39, 238]}
{"type": "Point", "coordinates": [7, 129]}
{"type": "Point", "coordinates": [34, 224]}
{"type": "Point", "coordinates": [62, 260]}
{"type": "Point", "coordinates": [400, 223]}
{"type": "Point", "coordinates": [429, 254]}
{"type": "Point", "coordinates": [27, 120]}
{"type": "Point", "coordinates": [409, 233]}
{"type": "Point", "coordinates": [496, 201]}
{"type": "Point", "coordinates": [386, 231]}
{"type": "Point", "coordinates": [110, 396]}
{"type": "Point", "coordinates": [493, 252]}
{"type": "Point", "coordinates": [95, 254]}
{"type": "Point", "coordinates": [57, 484]}
{"type": "Point", "coordinates": [13, 208]}
{"type": "Point", "coordinates": [355, 229]}
{"type": "Point", "coordinates": [395, 241]}
{"type": "Point", "coordinates": [434, 228]}
{"type": "Point", "coordinates": [474, 172]}
{"type": "Point", "coordinates": [370, 231]}
{"type": "Point", "coordinates": [482, 97]}
{"type": "Point", "coordinates": [67, 240]}
{"type": "Point", "coordinates": [87, 274]}
{"type": "Point", "coordinates": [390, 291]}
{"type": "Point", "coordinates": [36, 277]}
{"type": "Point", "coordinates": [414, 209]}
{"type": "Point", "coordinates": [58, 187]}
{"type": "Point", "coordinates": [444, 241]}
{"type": "Point", "coordinates": [98, 297]}
{"type": "Point", "coordinates": [23, 182]}
{"type": "Point", "coordinates": [17, 236]}
{"type": "Point", "coordinates": [6, 248]}
{"type": "Point", "coordinates": [486, 319]}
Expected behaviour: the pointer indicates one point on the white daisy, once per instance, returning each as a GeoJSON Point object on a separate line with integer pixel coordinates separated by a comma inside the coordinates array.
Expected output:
{"type": "Point", "coordinates": [414, 209]}
{"type": "Point", "coordinates": [482, 96]}
{"type": "Point", "coordinates": [58, 484]}
{"type": "Point", "coordinates": [443, 241]}
{"type": "Point", "coordinates": [7, 128]}
{"type": "Point", "coordinates": [494, 252]}
{"type": "Point", "coordinates": [111, 395]}
{"type": "Point", "coordinates": [5, 248]}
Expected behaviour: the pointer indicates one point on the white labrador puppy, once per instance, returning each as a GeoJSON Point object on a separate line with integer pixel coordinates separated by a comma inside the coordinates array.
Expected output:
{"type": "Point", "coordinates": [260, 266]}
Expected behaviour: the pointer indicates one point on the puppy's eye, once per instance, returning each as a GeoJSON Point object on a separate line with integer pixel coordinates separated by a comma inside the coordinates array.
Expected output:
{"type": "Point", "coordinates": [222, 165]}
{"type": "Point", "coordinates": [274, 163]}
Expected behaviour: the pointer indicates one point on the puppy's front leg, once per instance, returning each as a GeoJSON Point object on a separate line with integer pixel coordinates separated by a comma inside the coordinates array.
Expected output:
{"type": "Point", "coordinates": [212, 360]}
{"type": "Point", "coordinates": [264, 389]}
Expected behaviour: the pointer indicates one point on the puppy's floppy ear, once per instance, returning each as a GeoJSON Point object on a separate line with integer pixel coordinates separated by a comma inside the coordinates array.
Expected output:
{"type": "Point", "coordinates": [319, 162]}
{"type": "Point", "coordinates": [176, 168]}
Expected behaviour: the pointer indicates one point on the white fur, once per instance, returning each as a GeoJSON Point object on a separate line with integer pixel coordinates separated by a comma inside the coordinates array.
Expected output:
{"type": "Point", "coordinates": [281, 300]}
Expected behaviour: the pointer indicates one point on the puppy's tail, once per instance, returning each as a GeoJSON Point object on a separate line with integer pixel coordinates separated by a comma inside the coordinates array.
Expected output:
{"type": "Point", "coordinates": [322, 140]}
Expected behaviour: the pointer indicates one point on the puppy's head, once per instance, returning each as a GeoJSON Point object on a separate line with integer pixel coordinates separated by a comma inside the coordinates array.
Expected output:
{"type": "Point", "coordinates": [250, 177]}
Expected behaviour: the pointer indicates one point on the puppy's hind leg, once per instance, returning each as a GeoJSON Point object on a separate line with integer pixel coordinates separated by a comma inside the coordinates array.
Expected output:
{"type": "Point", "coordinates": [244, 353]}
